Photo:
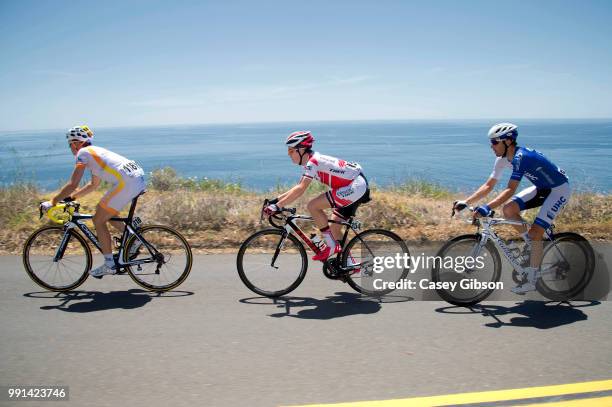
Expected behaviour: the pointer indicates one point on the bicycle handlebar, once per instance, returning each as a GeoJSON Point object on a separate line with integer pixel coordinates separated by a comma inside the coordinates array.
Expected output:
{"type": "Point", "coordinates": [67, 205]}
{"type": "Point", "coordinates": [474, 221]}
{"type": "Point", "coordinates": [278, 215]}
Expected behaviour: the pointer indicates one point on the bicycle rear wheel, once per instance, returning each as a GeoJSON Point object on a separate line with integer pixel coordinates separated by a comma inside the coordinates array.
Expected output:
{"type": "Point", "coordinates": [168, 265]}
{"type": "Point", "coordinates": [487, 270]}
{"type": "Point", "coordinates": [567, 267]}
{"type": "Point", "coordinates": [69, 272]}
{"type": "Point", "coordinates": [361, 251]}
{"type": "Point", "coordinates": [272, 263]}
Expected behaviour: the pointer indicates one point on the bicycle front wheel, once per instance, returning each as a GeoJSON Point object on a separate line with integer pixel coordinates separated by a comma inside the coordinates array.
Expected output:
{"type": "Point", "coordinates": [272, 263]}
{"type": "Point", "coordinates": [567, 267]}
{"type": "Point", "coordinates": [359, 254]}
{"type": "Point", "coordinates": [167, 262]}
{"type": "Point", "coordinates": [486, 269]}
{"type": "Point", "coordinates": [72, 265]}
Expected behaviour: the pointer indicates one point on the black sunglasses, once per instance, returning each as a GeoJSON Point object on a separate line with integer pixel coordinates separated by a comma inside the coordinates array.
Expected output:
{"type": "Point", "coordinates": [495, 141]}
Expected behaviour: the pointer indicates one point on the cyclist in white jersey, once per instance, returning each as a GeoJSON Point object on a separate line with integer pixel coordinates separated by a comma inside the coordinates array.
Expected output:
{"type": "Point", "coordinates": [348, 188]}
{"type": "Point", "coordinates": [550, 192]}
{"type": "Point", "coordinates": [126, 176]}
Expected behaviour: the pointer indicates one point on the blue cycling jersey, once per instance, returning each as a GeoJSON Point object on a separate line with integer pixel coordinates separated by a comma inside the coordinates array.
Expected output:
{"type": "Point", "coordinates": [538, 169]}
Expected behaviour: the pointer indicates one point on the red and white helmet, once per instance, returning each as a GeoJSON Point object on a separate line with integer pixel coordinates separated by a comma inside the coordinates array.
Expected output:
{"type": "Point", "coordinates": [300, 139]}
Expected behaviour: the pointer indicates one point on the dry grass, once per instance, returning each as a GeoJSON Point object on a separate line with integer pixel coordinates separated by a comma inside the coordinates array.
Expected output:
{"type": "Point", "coordinates": [214, 216]}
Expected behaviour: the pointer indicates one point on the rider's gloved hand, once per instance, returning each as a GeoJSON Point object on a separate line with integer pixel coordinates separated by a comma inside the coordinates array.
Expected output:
{"type": "Point", "coordinates": [272, 201]}
{"type": "Point", "coordinates": [459, 205]}
{"type": "Point", "coordinates": [44, 206]}
{"type": "Point", "coordinates": [271, 209]}
{"type": "Point", "coordinates": [483, 210]}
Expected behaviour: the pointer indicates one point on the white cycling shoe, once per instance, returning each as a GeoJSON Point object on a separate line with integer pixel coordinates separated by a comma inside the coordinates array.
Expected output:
{"type": "Point", "coordinates": [101, 271]}
{"type": "Point", "coordinates": [528, 285]}
{"type": "Point", "coordinates": [524, 288]}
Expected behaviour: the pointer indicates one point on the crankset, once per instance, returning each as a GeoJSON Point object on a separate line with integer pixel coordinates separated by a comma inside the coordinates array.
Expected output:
{"type": "Point", "coordinates": [332, 271]}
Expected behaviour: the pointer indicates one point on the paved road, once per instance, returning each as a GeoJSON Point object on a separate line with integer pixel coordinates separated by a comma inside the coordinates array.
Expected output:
{"type": "Point", "coordinates": [215, 343]}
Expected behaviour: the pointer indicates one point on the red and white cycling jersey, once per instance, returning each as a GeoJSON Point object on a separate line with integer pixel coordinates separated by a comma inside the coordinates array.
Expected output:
{"type": "Point", "coordinates": [331, 171]}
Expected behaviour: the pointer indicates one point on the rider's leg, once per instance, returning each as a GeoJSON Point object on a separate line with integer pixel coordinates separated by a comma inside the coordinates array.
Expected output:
{"type": "Point", "coordinates": [100, 219]}
{"type": "Point", "coordinates": [536, 232]}
{"type": "Point", "coordinates": [317, 207]}
{"type": "Point", "coordinates": [512, 211]}
{"type": "Point", "coordinates": [552, 202]}
{"type": "Point", "coordinates": [336, 228]}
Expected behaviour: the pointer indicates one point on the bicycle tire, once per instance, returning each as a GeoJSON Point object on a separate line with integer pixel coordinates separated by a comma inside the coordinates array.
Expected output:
{"type": "Point", "coordinates": [449, 296]}
{"type": "Point", "coordinates": [277, 292]}
{"type": "Point", "coordinates": [350, 278]}
{"type": "Point", "coordinates": [586, 248]}
{"type": "Point", "coordinates": [27, 261]}
{"type": "Point", "coordinates": [138, 278]}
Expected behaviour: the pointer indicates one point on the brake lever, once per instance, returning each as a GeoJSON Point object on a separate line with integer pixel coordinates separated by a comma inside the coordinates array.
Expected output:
{"type": "Point", "coordinates": [40, 211]}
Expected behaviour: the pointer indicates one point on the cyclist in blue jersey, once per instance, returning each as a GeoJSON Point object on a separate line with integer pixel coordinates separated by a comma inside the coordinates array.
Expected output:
{"type": "Point", "coordinates": [550, 192]}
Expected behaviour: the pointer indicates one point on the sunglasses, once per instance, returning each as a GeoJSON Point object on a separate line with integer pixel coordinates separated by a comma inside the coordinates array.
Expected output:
{"type": "Point", "coordinates": [495, 141]}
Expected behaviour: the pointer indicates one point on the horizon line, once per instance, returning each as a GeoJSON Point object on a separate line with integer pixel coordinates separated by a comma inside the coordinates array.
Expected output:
{"type": "Point", "coordinates": [315, 121]}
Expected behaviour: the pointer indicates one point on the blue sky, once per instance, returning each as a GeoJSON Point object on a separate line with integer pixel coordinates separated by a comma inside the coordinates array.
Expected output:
{"type": "Point", "coordinates": [161, 62]}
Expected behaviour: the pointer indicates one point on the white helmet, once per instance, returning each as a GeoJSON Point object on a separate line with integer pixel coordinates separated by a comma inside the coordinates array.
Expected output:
{"type": "Point", "coordinates": [504, 131]}
{"type": "Point", "coordinates": [80, 133]}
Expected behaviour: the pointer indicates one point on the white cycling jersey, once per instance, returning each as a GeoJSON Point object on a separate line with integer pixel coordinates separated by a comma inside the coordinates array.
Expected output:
{"type": "Point", "coordinates": [331, 171]}
{"type": "Point", "coordinates": [126, 175]}
{"type": "Point", "coordinates": [109, 166]}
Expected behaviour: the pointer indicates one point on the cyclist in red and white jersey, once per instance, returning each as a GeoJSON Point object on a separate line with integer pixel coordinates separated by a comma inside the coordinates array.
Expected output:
{"type": "Point", "coordinates": [126, 176]}
{"type": "Point", "coordinates": [348, 188]}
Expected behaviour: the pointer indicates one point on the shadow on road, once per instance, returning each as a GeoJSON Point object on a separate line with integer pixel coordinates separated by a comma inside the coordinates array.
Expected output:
{"type": "Point", "coordinates": [341, 304]}
{"type": "Point", "coordinates": [92, 301]}
{"type": "Point", "coordinates": [534, 314]}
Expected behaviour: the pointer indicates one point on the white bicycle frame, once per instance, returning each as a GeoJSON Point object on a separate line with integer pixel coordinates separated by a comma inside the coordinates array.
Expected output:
{"type": "Point", "coordinates": [488, 233]}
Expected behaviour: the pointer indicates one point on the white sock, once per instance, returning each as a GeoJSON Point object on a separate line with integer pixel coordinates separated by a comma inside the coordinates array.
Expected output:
{"type": "Point", "coordinates": [109, 261]}
{"type": "Point", "coordinates": [329, 240]}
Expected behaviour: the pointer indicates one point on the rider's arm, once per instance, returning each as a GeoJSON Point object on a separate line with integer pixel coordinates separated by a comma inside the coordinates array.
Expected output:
{"type": "Point", "coordinates": [505, 195]}
{"type": "Point", "coordinates": [91, 186]}
{"type": "Point", "coordinates": [294, 193]}
{"type": "Point", "coordinates": [481, 192]}
{"type": "Point", "coordinates": [73, 184]}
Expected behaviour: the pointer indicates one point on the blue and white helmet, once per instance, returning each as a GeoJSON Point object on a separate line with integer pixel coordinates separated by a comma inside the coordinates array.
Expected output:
{"type": "Point", "coordinates": [504, 131]}
{"type": "Point", "coordinates": [80, 133]}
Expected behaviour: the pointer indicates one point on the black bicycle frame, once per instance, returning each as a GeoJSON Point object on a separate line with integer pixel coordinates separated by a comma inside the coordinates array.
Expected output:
{"type": "Point", "coordinates": [76, 220]}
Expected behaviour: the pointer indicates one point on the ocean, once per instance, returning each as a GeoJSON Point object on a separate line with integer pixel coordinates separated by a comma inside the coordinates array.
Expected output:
{"type": "Point", "coordinates": [454, 154]}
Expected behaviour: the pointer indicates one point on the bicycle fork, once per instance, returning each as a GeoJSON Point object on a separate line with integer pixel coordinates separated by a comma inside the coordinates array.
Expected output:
{"type": "Point", "coordinates": [280, 246]}
{"type": "Point", "coordinates": [61, 249]}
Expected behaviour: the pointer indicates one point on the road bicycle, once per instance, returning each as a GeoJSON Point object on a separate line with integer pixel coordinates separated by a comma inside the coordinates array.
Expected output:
{"type": "Point", "coordinates": [567, 266]}
{"type": "Point", "coordinates": [58, 258]}
{"type": "Point", "coordinates": [273, 262]}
